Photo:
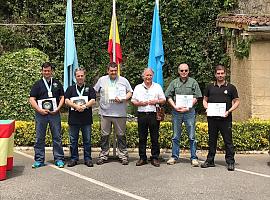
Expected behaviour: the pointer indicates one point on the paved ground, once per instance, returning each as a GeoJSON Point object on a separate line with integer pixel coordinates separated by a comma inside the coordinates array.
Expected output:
{"type": "Point", "coordinates": [112, 181]}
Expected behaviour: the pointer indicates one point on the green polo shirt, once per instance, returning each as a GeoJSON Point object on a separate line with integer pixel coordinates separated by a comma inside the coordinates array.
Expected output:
{"type": "Point", "coordinates": [188, 87]}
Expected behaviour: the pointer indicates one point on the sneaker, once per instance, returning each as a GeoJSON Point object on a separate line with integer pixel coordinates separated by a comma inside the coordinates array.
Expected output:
{"type": "Point", "coordinates": [171, 161]}
{"type": "Point", "coordinates": [124, 161]}
{"type": "Point", "coordinates": [72, 163]}
{"type": "Point", "coordinates": [230, 167]}
{"type": "Point", "coordinates": [194, 163]}
{"type": "Point", "coordinates": [89, 163]}
{"type": "Point", "coordinates": [37, 164]}
{"type": "Point", "coordinates": [207, 164]}
{"type": "Point", "coordinates": [100, 161]}
{"type": "Point", "coordinates": [60, 163]}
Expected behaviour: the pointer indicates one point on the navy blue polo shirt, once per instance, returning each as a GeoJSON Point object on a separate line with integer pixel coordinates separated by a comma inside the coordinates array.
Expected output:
{"type": "Point", "coordinates": [223, 94]}
{"type": "Point", "coordinates": [85, 117]}
{"type": "Point", "coordinates": [39, 90]}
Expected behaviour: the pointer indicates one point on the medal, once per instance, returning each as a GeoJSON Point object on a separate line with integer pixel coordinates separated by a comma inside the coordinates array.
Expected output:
{"type": "Point", "coordinates": [50, 95]}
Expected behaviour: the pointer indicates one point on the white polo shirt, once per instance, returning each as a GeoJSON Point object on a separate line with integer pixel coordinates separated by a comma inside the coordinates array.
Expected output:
{"type": "Point", "coordinates": [142, 93]}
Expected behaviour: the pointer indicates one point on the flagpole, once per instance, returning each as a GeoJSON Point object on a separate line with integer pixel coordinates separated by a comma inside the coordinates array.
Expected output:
{"type": "Point", "coordinates": [114, 30]}
{"type": "Point", "coordinates": [157, 2]}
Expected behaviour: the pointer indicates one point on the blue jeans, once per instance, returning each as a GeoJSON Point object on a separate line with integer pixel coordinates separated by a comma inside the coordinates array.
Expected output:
{"type": "Point", "coordinates": [74, 137]}
{"type": "Point", "coordinates": [189, 120]}
{"type": "Point", "coordinates": [54, 122]}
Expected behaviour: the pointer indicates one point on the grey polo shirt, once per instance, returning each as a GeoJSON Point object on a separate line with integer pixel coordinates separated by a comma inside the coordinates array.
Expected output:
{"type": "Point", "coordinates": [107, 107]}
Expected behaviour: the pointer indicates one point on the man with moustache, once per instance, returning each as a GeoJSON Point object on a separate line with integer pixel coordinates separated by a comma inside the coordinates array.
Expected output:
{"type": "Point", "coordinates": [114, 92]}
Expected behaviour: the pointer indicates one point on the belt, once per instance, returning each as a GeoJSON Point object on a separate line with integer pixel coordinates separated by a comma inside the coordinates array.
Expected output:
{"type": "Point", "coordinates": [147, 113]}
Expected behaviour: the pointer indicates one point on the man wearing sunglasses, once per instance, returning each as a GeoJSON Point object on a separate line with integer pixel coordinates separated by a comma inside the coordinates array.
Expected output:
{"type": "Point", "coordinates": [182, 95]}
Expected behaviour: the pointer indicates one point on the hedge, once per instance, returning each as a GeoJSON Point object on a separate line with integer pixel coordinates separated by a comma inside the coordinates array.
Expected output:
{"type": "Point", "coordinates": [249, 135]}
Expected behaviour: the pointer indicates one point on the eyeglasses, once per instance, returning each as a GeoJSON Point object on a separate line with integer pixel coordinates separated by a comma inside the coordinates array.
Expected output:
{"type": "Point", "coordinates": [183, 70]}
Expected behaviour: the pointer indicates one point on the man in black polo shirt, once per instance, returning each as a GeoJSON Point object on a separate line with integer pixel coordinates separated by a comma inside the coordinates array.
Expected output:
{"type": "Point", "coordinates": [47, 97]}
{"type": "Point", "coordinates": [80, 98]}
{"type": "Point", "coordinates": [214, 95]}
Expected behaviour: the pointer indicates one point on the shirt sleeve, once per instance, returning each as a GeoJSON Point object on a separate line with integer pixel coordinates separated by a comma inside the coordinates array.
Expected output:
{"type": "Point", "coordinates": [197, 90]}
{"type": "Point", "coordinates": [129, 88]}
{"type": "Point", "coordinates": [92, 94]}
{"type": "Point", "coordinates": [206, 91]}
{"type": "Point", "coordinates": [98, 85]}
{"type": "Point", "coordinates": [169, 93]}
{"type": "Point", "coordinates": [68, 93]}
{"type": "Point", "coordinates": [161, 94]}
{"type": "Point", "coordinates": [234, 92]}
{"type": "Point", "coordinates": [34, 90]}
{"type": "Point", "coordinates": [135, 94]}
{"type": "Point", "coordinates": [61, 89]}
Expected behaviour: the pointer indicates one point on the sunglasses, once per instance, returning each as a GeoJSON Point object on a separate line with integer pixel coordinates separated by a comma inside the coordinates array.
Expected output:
{"type": "Point", "coordinates": [183, 70]}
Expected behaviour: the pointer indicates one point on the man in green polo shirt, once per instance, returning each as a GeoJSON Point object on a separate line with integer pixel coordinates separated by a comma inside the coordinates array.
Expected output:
{"type": "Point", "coordinates": [182, 95]}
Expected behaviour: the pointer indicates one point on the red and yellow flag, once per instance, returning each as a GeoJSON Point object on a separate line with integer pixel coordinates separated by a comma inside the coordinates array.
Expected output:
{"type": "Point", "coordinates": [118, 51]}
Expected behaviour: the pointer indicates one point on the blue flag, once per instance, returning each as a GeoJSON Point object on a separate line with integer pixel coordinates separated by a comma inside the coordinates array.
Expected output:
{"type": "Point", "coordinates": [156, 53]}
{"type": "Point", "coordinates": [71, 60]}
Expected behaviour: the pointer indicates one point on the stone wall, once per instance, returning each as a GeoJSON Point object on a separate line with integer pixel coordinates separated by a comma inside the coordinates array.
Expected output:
{"type": "Point", "coordinates": [253, 7]}
{"type": "Point", "coordinates": [251, 76]}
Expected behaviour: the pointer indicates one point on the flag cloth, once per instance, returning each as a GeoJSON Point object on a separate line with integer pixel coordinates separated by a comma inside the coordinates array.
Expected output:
{"type": "Point", "coordinates": [156, 53]}
{"type": "Point", "coordinates": [118, 51]}
{"type": "Point", "coordinates": [71, 60]}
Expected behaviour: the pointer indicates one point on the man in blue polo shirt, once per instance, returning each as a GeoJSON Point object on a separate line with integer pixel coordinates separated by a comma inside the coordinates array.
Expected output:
{"type": "Point", "coordinates": [46, 98]}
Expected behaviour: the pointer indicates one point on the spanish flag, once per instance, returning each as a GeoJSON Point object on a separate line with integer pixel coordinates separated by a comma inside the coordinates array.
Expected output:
{"type": "Point", "coordinates": [118, 51]}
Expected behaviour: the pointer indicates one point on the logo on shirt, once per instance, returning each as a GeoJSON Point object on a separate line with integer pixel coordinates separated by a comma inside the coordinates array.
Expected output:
{"type": "Point", "coordinates": [55, 85]}
{"type": "Point", "coordinates": [225, 91]}
{"type": "Point", "coordinates": [87, 89]}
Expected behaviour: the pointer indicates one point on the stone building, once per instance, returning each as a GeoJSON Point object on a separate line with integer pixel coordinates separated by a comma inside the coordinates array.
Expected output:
{"type": "Point", "coordinates": [249, 27]}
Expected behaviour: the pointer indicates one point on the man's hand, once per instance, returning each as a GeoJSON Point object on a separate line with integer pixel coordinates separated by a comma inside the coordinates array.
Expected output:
{"type": "Point", "coordinates": [43, 111]}
{"type": "Point", "coordinates": [181, 109]}
{"type": "Point", "coordinates": [117, 100]}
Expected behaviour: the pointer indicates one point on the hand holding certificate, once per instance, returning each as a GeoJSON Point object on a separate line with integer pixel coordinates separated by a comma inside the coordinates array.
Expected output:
{"type": "Point", "coordinates": [216, 109]}
{"type": "Point", "coordinates": [185, 101]}
{"type": "Point", "coordinates": [80, 100]}
{"type": "Point", "coordinates": [48, 104]}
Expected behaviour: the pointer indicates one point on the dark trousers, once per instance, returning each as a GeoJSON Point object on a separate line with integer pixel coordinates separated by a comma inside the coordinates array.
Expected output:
{"type": "Point", "coordinates": [147, 121]}
{"type": "Point", "coordinates": [225, 128]}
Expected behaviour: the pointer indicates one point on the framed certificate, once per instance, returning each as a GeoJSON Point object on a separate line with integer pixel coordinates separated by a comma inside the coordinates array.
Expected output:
{"type": "Point", "coordinates": [80, 100]}
{"type": "Point", "coordinates": [216, 109]}
{"type": "Point", "coordinates": [48, 104]}
{"type": "Point", "coordinates": [121, 92]}
{"type": "Point", "coordinates": [184, 101]}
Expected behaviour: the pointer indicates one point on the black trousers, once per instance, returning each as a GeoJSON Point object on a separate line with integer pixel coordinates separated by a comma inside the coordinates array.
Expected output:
{"type": "Point", "coordinates": [225, 128]}
{"type": "Point", "coordinates": [147, 121]}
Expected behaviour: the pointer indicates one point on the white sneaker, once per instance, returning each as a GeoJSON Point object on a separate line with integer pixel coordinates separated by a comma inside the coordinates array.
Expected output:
{"type": "Point", "coordinates": [195, 163]}
{"type": "Point", "coordinates": [171, 161]}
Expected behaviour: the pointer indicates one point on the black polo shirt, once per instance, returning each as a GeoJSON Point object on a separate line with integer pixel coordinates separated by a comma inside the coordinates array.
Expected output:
{"type": "Point", "coordinates": [85, 117]}
{"type": "Point", "coordinates": [39, 90]}
{"type": "Point", "coordinates": [223, 94]}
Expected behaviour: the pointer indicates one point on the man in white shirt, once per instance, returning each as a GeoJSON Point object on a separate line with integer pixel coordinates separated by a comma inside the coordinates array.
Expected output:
{"type": "Point", "coordinates": [146, 97]}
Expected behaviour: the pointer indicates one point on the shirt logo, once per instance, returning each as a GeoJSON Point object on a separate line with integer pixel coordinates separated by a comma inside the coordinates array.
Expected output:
{"type": "Point", "coordinates": [87, 89]}
{"type": "Point", "coordinates": [55, 85]}
{"type": "Point", "coordinates": [225, 91]}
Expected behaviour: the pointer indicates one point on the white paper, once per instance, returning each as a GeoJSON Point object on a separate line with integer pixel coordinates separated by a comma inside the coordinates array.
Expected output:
{"type": "Point", "coordinates": [80, 100]}
{"type": "Point", "coordinates": [52, 100]}
{"type": "Point", "coordinates": [112, 93]}
{"type": "Point", "coordinates": [216, 109]}
{"type": "Point", "coordinates": [121, 92]}
{"type": "Point", "coordinates": [184, 101]}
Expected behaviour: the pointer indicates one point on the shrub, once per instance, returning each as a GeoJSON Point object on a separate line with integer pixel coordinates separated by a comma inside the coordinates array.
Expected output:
{"type": "Point", "coordinates": [18, 71]}
{"type": "Point", "coordinates": [249, 135]}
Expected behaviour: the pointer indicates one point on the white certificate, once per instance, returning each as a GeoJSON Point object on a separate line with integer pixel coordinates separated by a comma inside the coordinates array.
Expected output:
{"type": "Point", "coordinates": [121, 92]}
{"type": "Point", "coordinates": [80, 100]}
{"type": "Point", "coordinates": [112, 93]}
{"type": "Point", "coordinates": [184, 101]}
{"type": "Point", "coordinates": [48, 104]}
{"type": "Point", "coordinates": [216, 109]}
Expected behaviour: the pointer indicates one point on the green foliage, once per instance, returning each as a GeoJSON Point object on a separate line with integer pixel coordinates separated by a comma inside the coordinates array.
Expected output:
{"type": "Point", "coordinates": [249, 135]}
{"type": "Point", "coordinates": [188, 27]}
{"type": "Point", "coordinates": [242, 48]}
{"type": "Point", "coordinates": [18, 71]}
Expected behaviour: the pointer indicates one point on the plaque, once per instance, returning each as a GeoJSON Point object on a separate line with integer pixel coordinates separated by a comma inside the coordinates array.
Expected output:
{"type": "Point", "coordinates": [48, 104]}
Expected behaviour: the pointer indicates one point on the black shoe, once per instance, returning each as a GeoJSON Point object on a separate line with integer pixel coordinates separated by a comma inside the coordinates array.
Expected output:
{"type": "Point", "coordinates": [89, 163]}
{"type": "Point", "coordinates": [72, 163]}
{"type": "Point", "coordinates": [124, 161]}
{"type": "Point", "coordinates": [141, 162]}
{"type": "Point", "coordinates": [230, 167]}
{"type": "Point", "coordinates": [100, 161]}
{"type": "Point", "coordinates": [207, 164]}
{"type": "Point", "coordinates": [155, 162]}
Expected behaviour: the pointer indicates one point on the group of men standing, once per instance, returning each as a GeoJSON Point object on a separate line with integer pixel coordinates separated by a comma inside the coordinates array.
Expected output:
{"type": "Point", "coordinates": [47, 97]}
